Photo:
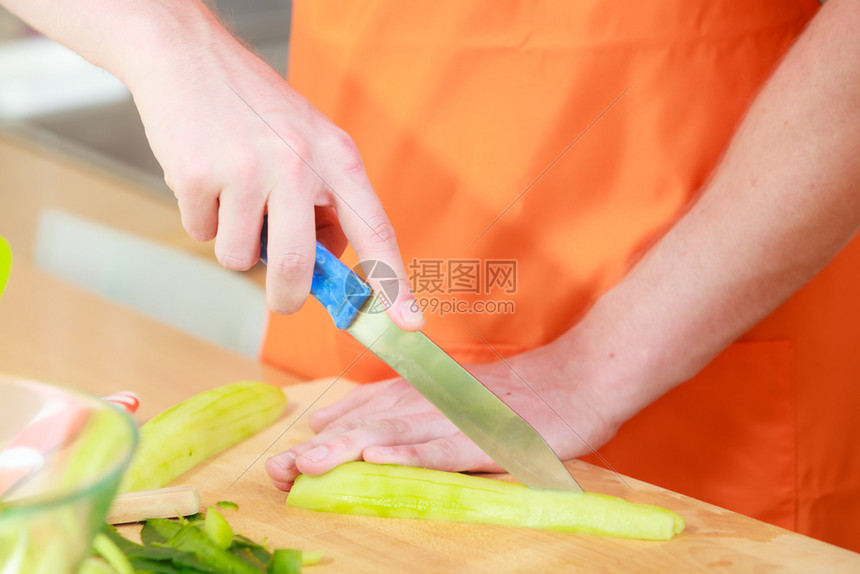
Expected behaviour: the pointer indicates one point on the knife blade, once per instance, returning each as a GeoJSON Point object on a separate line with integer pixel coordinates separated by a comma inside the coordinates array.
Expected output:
{"type": "Point", "coordinates": [482, 416]}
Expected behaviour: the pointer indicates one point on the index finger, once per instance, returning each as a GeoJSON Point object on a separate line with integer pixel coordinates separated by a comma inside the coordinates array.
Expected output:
{"type": "Point", "coordinates": [370, 231]}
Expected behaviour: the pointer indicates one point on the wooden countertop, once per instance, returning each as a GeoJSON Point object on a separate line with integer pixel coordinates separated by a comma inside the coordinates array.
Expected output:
{"type": "Point", "coordinates": [52, 331]}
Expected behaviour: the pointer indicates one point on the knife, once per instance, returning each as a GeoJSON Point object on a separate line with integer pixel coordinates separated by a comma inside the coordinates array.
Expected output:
{"type": "Point", "coordinates": [482, 416]}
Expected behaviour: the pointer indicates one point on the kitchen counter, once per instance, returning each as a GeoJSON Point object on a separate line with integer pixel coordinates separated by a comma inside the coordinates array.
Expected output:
{"type": "Point", "coordinates": [50, 330]}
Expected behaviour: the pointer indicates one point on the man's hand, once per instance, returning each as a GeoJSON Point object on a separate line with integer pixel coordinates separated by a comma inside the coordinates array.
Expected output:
{"type": "Point", "coordinates": [389, 422]}
{"type": "Point", "coordinates": [235, 142]}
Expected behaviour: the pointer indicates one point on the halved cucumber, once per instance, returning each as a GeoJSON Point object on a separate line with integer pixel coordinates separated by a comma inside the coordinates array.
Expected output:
{"type": "Point", "coordinates": [205, 424]}
{"type": "Point", "coordinates": [405, 492]}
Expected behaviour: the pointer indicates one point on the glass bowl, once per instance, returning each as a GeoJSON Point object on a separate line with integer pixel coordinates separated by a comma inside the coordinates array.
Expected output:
{"type": "Point", "coordinates": [62, 455]}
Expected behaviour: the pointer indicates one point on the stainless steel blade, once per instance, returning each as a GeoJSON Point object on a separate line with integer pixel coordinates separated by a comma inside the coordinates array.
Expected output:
{"type": "Point", "coordinates": [483, 417]}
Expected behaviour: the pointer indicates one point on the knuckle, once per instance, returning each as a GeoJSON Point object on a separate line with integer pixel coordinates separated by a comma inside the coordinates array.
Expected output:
{"type": "Point", "coordinates": [342, 443]}
{"type": "Point", "coordinates": [293, 167]}
{"type": "Point", "coordinates": [348, 426]}
{"type": "Point", "coordinates": [302, 150]}
{"type": "Point", "coordinates": [381, 232]}
{"type": "Point", "coordinates": [446, 450]}
{"type": "Point", "coordinates": [345, 149]}
{"type": "Point", "coordinates": [289, 263]}
{"type": "Point", "coordinates": [295, 154]}
{"type": "Point", "coordinates": [394, 426]}
{"type": "Point", "coordinates": [241, 171]}
{"type": "Point", "coordinates": [244, 171]}
{"type": "Point", "coordinates": [193, 176]}
{"type": "Point", "coordinates": [414, 455]}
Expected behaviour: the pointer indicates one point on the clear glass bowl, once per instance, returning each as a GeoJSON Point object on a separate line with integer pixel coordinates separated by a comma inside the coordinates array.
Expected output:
{"type": "Point", "coordinates": [62, 455]}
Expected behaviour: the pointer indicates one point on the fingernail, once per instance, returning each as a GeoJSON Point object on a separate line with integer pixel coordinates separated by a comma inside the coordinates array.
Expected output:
{"type": "Point", "coordinates": [317, 454]}
{"type": "Point", "coordinates": [411, 312]}
{"type": "Point", "coordinates": [384, 449]}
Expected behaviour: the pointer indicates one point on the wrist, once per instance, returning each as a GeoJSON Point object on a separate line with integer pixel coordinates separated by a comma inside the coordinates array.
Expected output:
{"type": "Point", "coordinates": [625, 355]}
{"type": "Point", "coordinates": [162, 39]}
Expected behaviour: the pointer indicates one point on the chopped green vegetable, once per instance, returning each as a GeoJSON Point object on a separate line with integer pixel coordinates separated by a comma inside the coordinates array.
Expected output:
{"type": "Point", "coordinates": [250, 551]}
{"type": "Point", "coordinates": [186, 546]}
{"type": "Point", "coordinates": [405, 492]}
{"type": "Point", "coordinates": [285, 561]}
{"type": "Point", "coordinates": [191, 539]}
{"type": "Point", "coordinates": [227, 505]}
{"type": "Point", "coordinates": [183, 436]}
{"type": "Point", "coordinates": [311, 558]}
{"type": "Point", "coordinates": [218, 529]}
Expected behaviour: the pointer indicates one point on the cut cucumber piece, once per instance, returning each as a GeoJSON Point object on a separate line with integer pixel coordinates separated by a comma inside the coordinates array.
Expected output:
{"type": "Point", "coordinates": [185, 435]}
{"type": "Point", "coordinates": [405, 492]}
{"type": "Point", "coordinates": [218, 529]}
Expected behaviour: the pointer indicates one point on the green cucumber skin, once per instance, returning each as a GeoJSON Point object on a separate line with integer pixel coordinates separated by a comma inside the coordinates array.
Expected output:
{"type": "Point", "coordinates": [188, 433]}
{"type": "Point", "coordinates": [405, 492]}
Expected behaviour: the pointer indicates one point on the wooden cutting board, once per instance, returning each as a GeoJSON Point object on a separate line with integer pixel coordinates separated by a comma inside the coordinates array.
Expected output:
{"type": "Point", "coordinates": [714, 540]}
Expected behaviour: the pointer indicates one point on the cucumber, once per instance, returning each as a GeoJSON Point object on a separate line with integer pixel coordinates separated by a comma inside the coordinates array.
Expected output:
{"type": "Point", "coordinates": [183, 436]}
{"type": "Point", "coordinates": [218, 529]}
{"type": "Point", "coordinates": [405, 492]}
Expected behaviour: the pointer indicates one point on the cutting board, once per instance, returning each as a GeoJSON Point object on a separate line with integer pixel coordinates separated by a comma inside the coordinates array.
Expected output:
{"type": "Point", "coordinates": [714, 540]}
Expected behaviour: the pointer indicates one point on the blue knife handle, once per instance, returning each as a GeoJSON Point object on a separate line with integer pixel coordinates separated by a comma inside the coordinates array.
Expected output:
{"type": "Point", "coordinates": [340, 291]}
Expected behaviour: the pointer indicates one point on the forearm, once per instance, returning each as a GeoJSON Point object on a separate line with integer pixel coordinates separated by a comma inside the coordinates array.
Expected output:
{"type": "Point", "coordinates": [131, 38]}
{"type": "Point", "coordinates": [784, 200]}
{"type": "Point", "coordinates": [236, 143]}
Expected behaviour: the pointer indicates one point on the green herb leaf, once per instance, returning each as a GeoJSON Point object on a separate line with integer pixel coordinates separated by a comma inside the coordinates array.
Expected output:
{"type": "Point", "coordinates": [158, 530]}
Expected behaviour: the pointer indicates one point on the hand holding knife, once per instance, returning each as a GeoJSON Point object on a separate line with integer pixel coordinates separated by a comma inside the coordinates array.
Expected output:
{"type": "Point", "coordinates": [483, 417]}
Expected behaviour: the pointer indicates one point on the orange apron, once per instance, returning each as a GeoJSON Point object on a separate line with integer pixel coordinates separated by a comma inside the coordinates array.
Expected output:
{"type": "Point", "coordinates": [460, 107]}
